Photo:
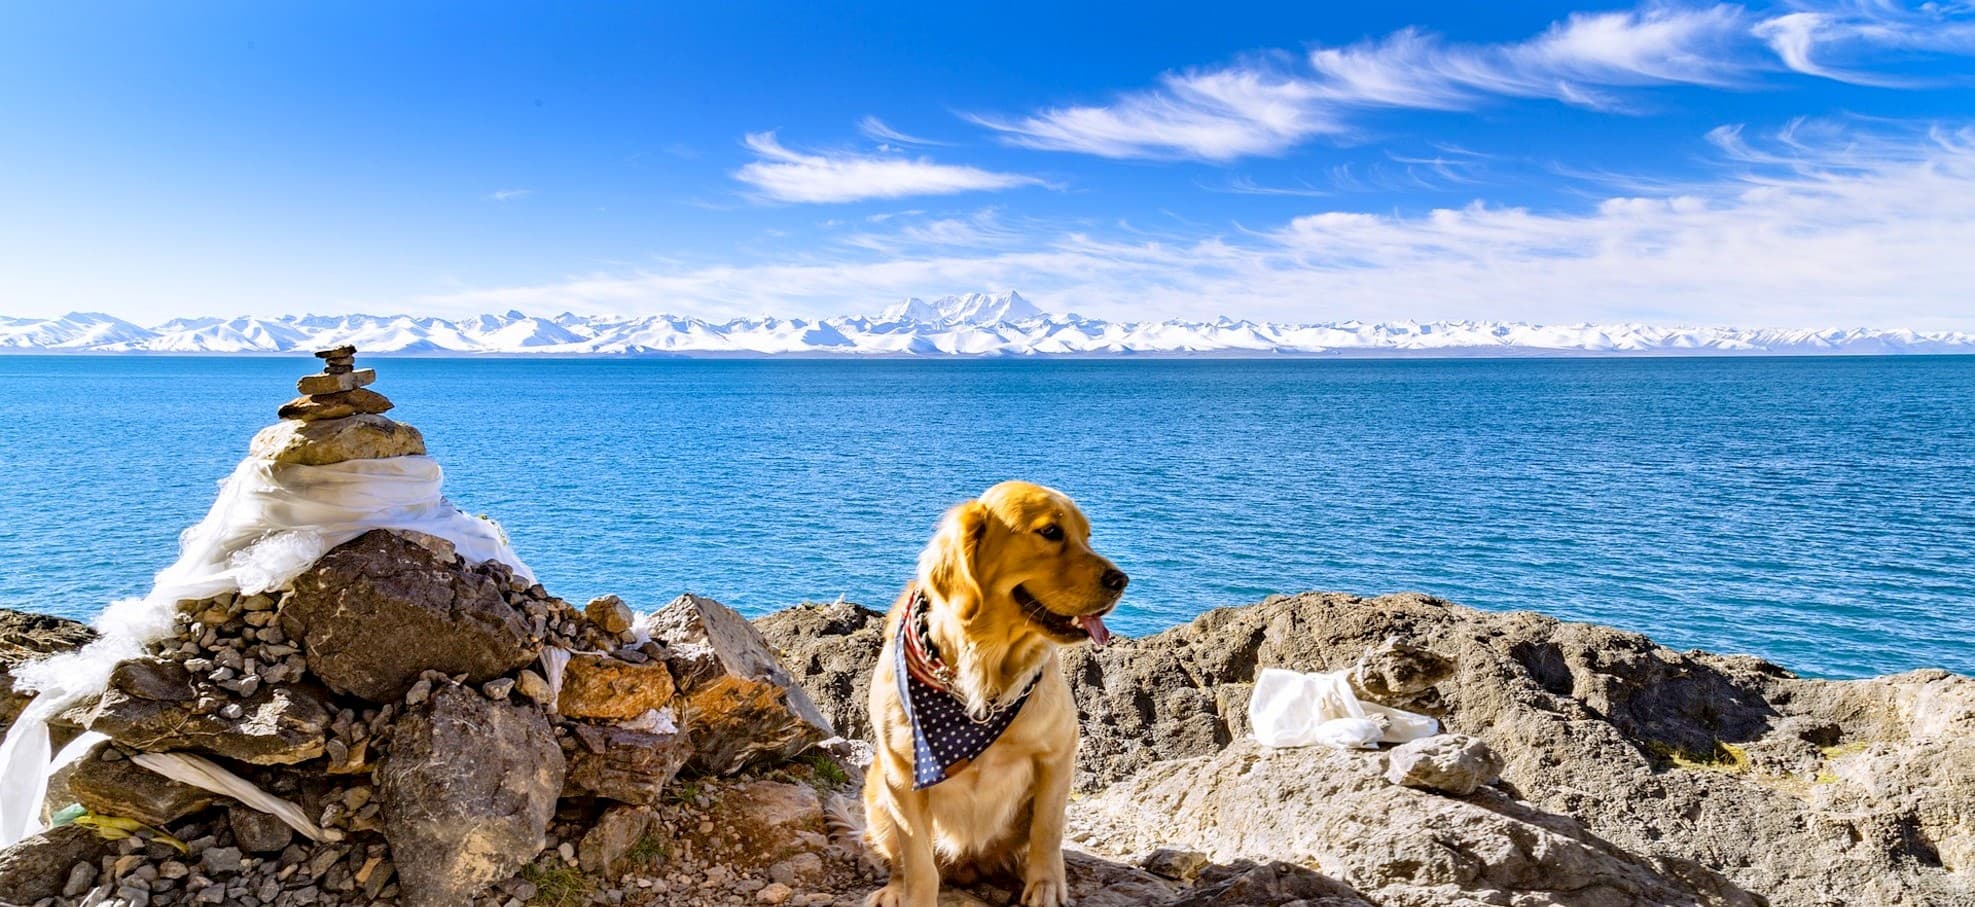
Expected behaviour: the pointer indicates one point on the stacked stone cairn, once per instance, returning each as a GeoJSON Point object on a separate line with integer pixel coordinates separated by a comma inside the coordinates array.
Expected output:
{"type": "Point", "coordinates": [339, 392]}
{"type": "Point", "coordinates": [400, 696]}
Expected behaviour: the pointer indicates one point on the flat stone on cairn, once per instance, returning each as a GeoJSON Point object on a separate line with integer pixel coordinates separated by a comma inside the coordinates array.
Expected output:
{"type": "Point", "coordinates": [335, 383]}
{"type": "Point", "coordinates": [338, 392]}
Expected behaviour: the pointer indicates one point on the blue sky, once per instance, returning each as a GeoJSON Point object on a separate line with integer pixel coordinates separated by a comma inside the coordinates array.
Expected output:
{"type": "Point", "coordinates": [1801, 165]}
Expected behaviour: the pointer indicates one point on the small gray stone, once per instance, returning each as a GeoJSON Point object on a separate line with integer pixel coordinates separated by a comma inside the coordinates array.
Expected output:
{"type": "Point", "coordinates": [82, 877]}
{"type": "Point", "coordinates": [498, 688]}
{"type": "Point", "coordinates": [221, 860]}
{"type": "Point", "coordinates": [258, 832]}
{"type": "Point", "coordinates": [796, 870]}
{"type": "Point", "coordinates": [615, 833]}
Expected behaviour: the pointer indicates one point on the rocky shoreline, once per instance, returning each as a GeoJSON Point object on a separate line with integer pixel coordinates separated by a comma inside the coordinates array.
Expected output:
{"type": "Point", "coordinates": [1631, 774]}
{"type": "Point", "coordinates": [399, 723]}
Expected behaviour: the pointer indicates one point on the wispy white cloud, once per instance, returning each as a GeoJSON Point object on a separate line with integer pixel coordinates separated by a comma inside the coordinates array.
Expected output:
{"type": "Point", "coordinates": [1816, 224]}
{"type": "Point", "coordinates": [1807, 39]}
{"type": "Point", "coordinates": [1266, 104]}
{"type": "Point", "coordinates": [1575, 61]}
{"type": "Point", "coordinates": [1253, 107]}
{"type": "Point", "coordinates": [877, 129]}
{"type": "Point", "coordinates": [1243, 185]}
{"type": "Point", "coordinates": [508, 195]}
{"type": "Point", "coordinates": [784, 175]}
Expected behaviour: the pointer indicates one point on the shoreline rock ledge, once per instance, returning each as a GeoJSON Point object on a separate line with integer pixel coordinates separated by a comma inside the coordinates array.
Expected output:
{"type": "Point", "coordinates": [1583, 766]}
{"type": "Point", "coordinates": [436, 731]}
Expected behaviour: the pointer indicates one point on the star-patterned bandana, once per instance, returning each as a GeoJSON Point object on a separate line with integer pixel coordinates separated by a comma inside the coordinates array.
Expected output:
{"type": "Point", "coordinates": [945, 739]}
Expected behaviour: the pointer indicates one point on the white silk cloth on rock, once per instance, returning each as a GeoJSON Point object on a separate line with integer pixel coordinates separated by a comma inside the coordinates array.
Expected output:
{"type": "Point", "coordinates": [1290, 708]}
{"type": "Point", "coordinates": [206, 774]}
{"type": "Point", "coordinates": [269, 523]}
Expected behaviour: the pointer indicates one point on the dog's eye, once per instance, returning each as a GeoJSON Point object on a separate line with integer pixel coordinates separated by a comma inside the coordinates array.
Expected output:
{"type": "Point", "coordinates": [1051, 532]}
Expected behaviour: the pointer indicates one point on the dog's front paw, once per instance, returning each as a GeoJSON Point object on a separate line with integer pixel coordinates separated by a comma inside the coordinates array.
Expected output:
{"type": "Point", "coordinates": [1049, 892]}
{"type": "Point", "coordinates": [892, 895]}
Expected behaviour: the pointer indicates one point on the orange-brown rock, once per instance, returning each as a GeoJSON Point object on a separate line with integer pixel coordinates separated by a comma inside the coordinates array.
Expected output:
{"type": "Point", "coordinates": [318, 407]}
{"type": "Point", "coordinates": [736, 701]}
{"type": "Point", "coordinates": [326, 441]}
{"type": "Point", "coordinates": [603, 686]}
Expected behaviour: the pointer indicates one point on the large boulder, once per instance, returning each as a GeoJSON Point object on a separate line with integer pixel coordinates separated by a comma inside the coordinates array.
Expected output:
{"type": "Point", "coordinates": [326, 441]}
{"type": "Point", "coordinates": [151, 705]}
{"type": "Point", "coordinates": [1334, 810]}
{"type": "Point", "coordinates": [617, 763]}
{"type": "Point", "coordinates": [37, 867]}
{"type": "Point", "coordinates": [738, 704]}
{"type": "Point", "coordinates": [831, 648]}
{"type": "Point", "coordinates": [466, 794]}
{"type": "Point", "coordinates": [25, 637]}
{"type": "Point", "coordinates": [376, 612]}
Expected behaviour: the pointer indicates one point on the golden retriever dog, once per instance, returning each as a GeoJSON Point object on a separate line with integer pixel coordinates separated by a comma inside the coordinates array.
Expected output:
{"type": "Point", "coordinates": [976, 733]}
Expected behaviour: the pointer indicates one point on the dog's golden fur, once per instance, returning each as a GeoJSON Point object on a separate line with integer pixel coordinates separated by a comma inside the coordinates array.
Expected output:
{"type": "Point", "coordinates": [1005, 576]}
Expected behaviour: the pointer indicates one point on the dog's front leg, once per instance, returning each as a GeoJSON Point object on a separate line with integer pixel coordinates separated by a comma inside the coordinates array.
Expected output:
{"type": "Point", "coordinates": [1046, 884]}
{"type": "Point", "coordinates": [904, 836]}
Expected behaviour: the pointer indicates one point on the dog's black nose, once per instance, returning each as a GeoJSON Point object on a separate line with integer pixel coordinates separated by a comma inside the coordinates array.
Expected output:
{"type": "Point", "coordinates": [1115, 579]}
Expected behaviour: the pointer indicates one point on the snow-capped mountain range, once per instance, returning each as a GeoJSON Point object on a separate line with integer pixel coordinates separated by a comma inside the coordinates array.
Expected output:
{"type": "Point", "coordinates": [976, 324]}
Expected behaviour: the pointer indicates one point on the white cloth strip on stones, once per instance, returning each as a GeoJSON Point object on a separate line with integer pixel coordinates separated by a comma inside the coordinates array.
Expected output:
{"type": "Point", "coordinates": [269, 522]}
{"type": "Point", "coordinates": [206, 774]}
{"type": "Point", "coordinates": [1290, 708]}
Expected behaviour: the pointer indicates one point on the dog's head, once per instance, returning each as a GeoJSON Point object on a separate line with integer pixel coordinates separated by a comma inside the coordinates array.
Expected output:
{"type": "Point", "coordinates": [1016, 565]}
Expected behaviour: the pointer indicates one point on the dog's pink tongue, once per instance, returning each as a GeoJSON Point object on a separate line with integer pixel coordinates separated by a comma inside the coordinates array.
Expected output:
{"type": "Point", "coordinates": [1094, 625]}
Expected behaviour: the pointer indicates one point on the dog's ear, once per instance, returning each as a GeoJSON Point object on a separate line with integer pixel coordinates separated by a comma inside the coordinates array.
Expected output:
{"type": "Point", "coordinates": [952, 558]}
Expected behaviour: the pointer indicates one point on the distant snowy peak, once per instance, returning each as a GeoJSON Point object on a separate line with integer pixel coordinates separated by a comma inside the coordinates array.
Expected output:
{"type": "Point", "coordinates": [74, 331]}
{"type": "Point", "coordinates": [977, 324]}
{"type": "Point", "coordinates": [973, 308]}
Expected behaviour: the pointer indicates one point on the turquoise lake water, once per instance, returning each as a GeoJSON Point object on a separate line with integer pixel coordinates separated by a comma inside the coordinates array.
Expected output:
{"type": "Point", "coordinates": [1819, 512]}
